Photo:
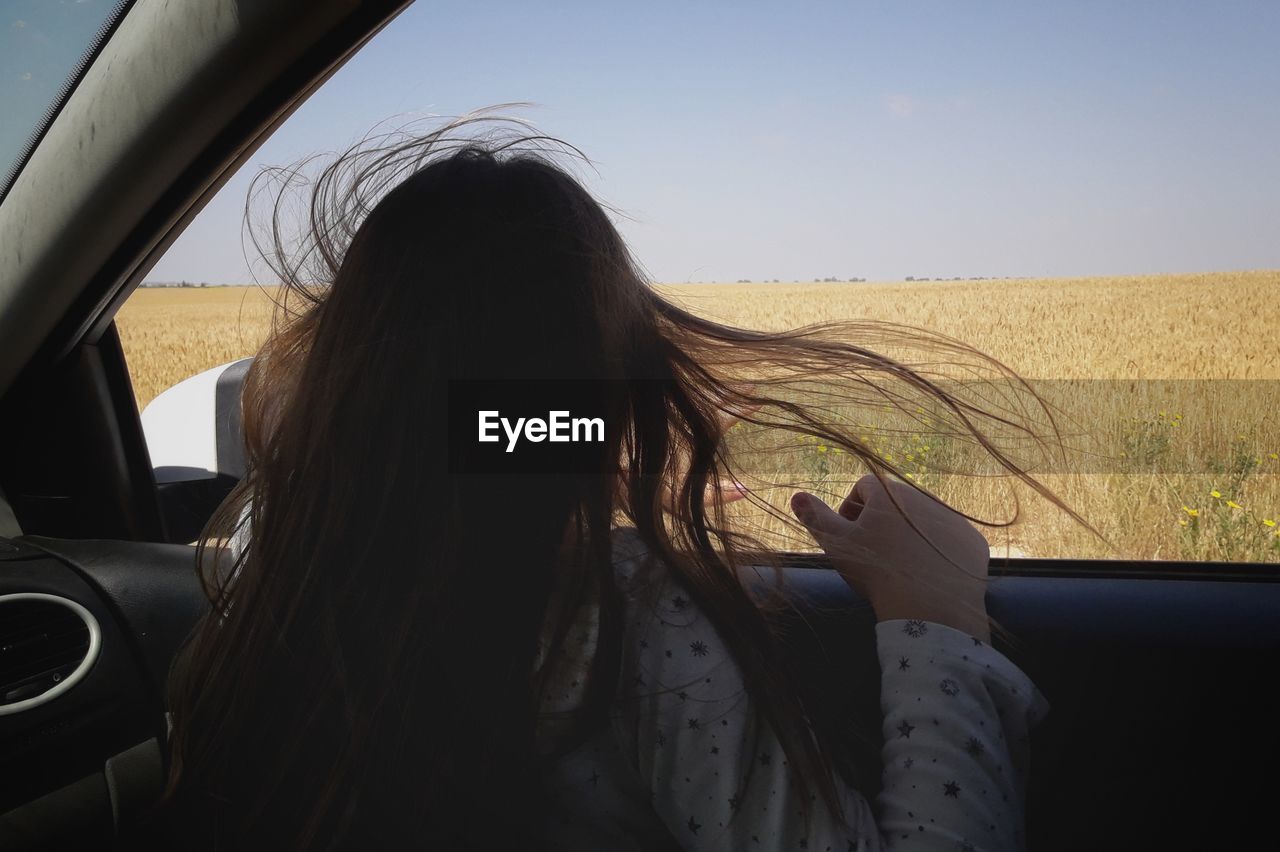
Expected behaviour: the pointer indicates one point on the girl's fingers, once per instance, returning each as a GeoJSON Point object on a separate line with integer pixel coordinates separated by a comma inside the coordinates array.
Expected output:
{"type": "Point", "coordinates": [818, 518]}
{"type": "Point", "coordinates": [853, 505]}
{"type": "Point", "coordinates": [840, 539]}
{"type": "Point", "coordinates": [730, 491]}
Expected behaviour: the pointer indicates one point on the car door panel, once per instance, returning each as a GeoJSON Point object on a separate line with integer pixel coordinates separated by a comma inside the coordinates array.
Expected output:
{"type": "Point", "coordinates": [1135, 670]}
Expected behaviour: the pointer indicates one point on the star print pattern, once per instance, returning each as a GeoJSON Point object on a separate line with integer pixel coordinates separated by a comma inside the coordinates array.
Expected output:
{"type": "Point", "coordinates": [686, 761]}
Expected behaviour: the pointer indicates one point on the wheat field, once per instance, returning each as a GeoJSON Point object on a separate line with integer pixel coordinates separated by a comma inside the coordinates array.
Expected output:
{"type": "Point", "coordinates": [1209, 485]}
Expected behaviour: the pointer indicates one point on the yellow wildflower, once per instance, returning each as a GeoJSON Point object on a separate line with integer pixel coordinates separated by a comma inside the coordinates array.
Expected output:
{"type": "Point", "coordinates": [1268, 522]}
{"type": "Point", "coordinates": [1234, 505]}
{"type": "Point", "coordinates": [1216, 494]}
{"type": "Point", "coordinates": [1195, 513]}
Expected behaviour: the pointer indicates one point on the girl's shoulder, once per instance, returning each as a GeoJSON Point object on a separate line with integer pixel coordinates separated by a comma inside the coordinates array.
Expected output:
{"type": "Point", "coordinates": [630, 553]}
{"type": "Point", "coordinates": [653, 602]}
{"type": "Point", "coordinates": [659, 612]}
{"type": "Point", "coordinates": [639, 577]}
{"type": "Point", "coordinates": [638, 572]}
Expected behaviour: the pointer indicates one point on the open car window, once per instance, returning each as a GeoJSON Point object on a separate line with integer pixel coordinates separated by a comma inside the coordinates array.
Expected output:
{"type": "Point", "coordinates": [1093, 225]}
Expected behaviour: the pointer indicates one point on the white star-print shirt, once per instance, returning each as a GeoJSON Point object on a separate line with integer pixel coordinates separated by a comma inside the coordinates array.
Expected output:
{"type": "Point", "coordinates": [670, 769]}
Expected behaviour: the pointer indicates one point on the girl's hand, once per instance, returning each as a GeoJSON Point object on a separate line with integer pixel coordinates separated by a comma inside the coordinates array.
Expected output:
{"type": "Point", "coordinates": [729, 490]}
{"type": "Point", "coordinates": [939, 576]}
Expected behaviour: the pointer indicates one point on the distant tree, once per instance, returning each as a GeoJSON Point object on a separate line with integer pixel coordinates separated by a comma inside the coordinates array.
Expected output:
{"type": "Point", "coordinates": [911, 278]}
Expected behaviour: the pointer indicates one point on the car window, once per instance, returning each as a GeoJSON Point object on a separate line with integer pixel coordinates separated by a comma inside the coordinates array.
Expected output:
{"type": "Point", "coordinates": [1082, 193]}
{"type": "Point", "coordinates": [44, 47]}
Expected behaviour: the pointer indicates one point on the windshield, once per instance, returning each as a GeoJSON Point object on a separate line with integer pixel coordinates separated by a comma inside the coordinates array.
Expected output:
{"type": "Point", "coordinates": [44, 46]}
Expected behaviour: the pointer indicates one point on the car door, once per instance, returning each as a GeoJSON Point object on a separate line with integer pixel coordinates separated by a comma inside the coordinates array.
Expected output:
{"type": "Point", "coordinates": [1157, 671]}
{"type": "Point", "coordinates": [162, 101]}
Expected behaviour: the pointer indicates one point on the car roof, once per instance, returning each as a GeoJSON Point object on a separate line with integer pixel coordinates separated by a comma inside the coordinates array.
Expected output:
{"type": "Point", "coordinates": [177, 97]}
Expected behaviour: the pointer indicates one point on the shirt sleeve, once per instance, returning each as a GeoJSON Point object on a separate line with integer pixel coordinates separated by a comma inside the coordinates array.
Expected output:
{"type": "Point", "coordinates": [956, 715]}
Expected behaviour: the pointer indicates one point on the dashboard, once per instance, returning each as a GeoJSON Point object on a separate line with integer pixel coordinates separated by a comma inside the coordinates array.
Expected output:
{"type": "Point", "coordinates": [88, 630]}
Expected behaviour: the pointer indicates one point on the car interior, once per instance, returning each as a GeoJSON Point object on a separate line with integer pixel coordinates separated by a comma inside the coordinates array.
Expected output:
{"type": "Point", "coordinates": [1163, 720]}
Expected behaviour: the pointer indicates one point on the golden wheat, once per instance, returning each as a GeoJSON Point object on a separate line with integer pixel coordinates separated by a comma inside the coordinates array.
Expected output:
{"type": "Point", "coordinates": [1219, 326]}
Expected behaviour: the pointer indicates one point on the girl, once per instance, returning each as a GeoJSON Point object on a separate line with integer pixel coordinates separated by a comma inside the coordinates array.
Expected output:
{"type": "Point", "coordinates": [407, 651]}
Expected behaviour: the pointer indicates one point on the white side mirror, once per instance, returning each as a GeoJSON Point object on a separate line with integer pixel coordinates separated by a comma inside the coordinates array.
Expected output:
{"type": "Point", "coordinates": [193, 434]}
{"type": "Point", "coordinates": [193, 428]}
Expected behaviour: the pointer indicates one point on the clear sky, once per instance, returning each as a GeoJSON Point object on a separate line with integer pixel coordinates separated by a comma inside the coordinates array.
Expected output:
{"type": "Point", "coordinates": [880, 140]}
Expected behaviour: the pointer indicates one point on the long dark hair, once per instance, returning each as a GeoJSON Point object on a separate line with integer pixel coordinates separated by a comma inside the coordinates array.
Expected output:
{"type": "Point", "coordinates": [366, 675]}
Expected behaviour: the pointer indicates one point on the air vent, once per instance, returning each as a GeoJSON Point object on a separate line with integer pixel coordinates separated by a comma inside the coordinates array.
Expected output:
{"type": "Point", "coordinates": [47, 644]}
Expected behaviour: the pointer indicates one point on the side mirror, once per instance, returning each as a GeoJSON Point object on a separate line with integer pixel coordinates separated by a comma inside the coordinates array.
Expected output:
{"type": "Point", "coordinates": [193, 433]}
